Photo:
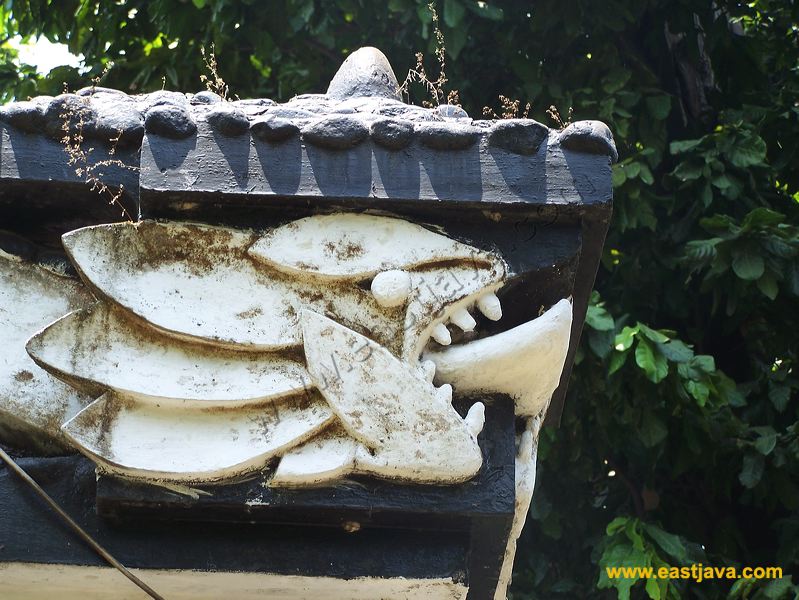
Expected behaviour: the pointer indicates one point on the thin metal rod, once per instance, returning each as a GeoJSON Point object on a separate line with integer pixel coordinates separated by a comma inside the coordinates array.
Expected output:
{"type": "Point", "coordinates": [77, 528]}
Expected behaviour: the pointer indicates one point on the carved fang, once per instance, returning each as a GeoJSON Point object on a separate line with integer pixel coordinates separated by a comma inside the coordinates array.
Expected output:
{"type": "Point", "coordinates": [525, 362]}
{"type": "Point", "coordinates": [444, 393]}
{"type": "Point", "coordinates": [475, 418]}
{"type": "Point", "coordinates": [463, 320]}
{"type": "Point", "coordinates": [441, 334]}
{"type": "Point", "coordinates": [428, 368]}
{"type": "Point", "coordinates": [490, 306]}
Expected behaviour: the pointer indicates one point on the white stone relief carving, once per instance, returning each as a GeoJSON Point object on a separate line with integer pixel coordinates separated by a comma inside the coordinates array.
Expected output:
{"type": "Point", "coordinates": [518, 362]}
{"type": "Point", "coordinates": [33, 404]}
{"type": "Point", "coordinates": [198, 444]}
{"type": "Point", "coordinates": [328, 343]}
{"type": "Point", "coordinates": [407, 429]}
{"type": "Point", "coordinates": [100, 345]}
{"type": "Point", "coordinates": [526, 454]}
{"type": "Point", "coordinates": [354, 246]}
{"type": "Point", "coordinates": [327, 457]}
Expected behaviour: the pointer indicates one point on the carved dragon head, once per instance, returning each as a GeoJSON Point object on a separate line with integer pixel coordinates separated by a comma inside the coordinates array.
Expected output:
{"type": "Point", "coordinates": [216, 350]}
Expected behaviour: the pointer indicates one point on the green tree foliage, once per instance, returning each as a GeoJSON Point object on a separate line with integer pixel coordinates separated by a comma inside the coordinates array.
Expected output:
{"type": "Point", "coordinates": [680, 438]}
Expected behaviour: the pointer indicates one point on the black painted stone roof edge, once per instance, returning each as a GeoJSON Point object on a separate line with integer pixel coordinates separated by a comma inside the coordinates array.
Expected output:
{"type": "Point", "coordinates": [362, 102]}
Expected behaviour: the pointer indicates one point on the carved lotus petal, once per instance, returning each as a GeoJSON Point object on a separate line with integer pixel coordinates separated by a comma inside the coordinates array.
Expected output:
{"type": "Point", "coordinates": [356, 246]}
{"type": "Point", "coordinates": [198, 283]}
{"type": "Point", "coordinates": [33, 404]}
{"type": "Point", "coordinates": [146, 440]}
{"type": "Point", "coordinates": [99, 346]}
{"type": "Point", "coordinates": [326, 458]}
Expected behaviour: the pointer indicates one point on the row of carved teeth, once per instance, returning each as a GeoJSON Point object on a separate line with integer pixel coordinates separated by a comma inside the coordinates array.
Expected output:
{"type": "Point", "coordinates": [475, 419]}
{"type": "Point", "coordinates": [488, 304]}
{"type": "Point", "coordinates": [444, 392]}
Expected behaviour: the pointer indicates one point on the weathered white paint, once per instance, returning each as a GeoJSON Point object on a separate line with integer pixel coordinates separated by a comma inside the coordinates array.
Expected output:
{"type": "Point", "coordinates": [357, 246]}
{"type": "Point", "coordinates": [164, 442]}
{"type": "Point", "coordinates": [525, 484]}
{"type": "Point", "coordinates": [198, 282]}
{"type": "Point", "coordinates": [193, 339]}
{"type": "Point", "coordinates": [411, 432]}
{"type": "Point", "coordinates": [33, 404]}
{"type": "Point", "coordinates": [101, 345]}
{"type": "Point", "coordinates": [33, 581]}
{"type": "Point", "coordinates": [326, 458]}
{"type": "Point", "coordinates": [525, 362]}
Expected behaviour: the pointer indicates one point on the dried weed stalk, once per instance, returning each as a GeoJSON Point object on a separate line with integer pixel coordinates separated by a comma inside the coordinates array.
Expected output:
{"type": "Point", "coordinates": [510, 109]}
{"type": "Point", "coordinates": [554, 114]}
{"type": "Point", "coordinates": [214, 83]}
{"type": "Point", "coordinates": [435, 87]}
{"type": "Point", "coordinates": [73, 122]}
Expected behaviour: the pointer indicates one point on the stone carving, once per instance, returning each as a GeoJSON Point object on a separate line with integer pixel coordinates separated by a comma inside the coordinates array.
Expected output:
{"type": "Point", "coordinates": [305, 354]}
{"type": "Point", "coordinates": [217, 350]}
{"type": "Point", "coordinates": [33, 404]}
{"type": "Point", "coordinates": [362, 102]}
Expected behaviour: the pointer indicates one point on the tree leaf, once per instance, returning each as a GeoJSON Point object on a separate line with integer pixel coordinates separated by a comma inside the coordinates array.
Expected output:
{"type": "Point", "coordinates": [652, 430]}
{"type": "Point", "coordinates": [779, 395]}
{"type": "Point", "coordinates": [655, 336]}
{"type": "Point", "coordinates": [676, 351]}
{"type": "Point", "coordinates": [702, 250]}
{"type": "Point", "coordinates": [699, 391]}
{"type": "Point", "coordinates": [596, 317]}
{"type": "Point", "coordinates": [646, 175]}
{"type": "Point", "coordinates": [485, 10]}
{"type": "Point", "coordinates": [768, 285]}
{"type": "Point", "coordinates": [679, 147]}
{"type": "Point", "coordinates": [632, 169]}
{"type": "Point", "coordinates": [601, 342]}
{"type": "Point", "coordinates": [688, 170]}
{"type": "Point", "coordinates": [704, 362]}
{"type": "Point", "coordinates": [617, 361]}
{"type": "Point", "coordinates": [624, 340]}
{"type": "Point", "coordinates": [616, 525]}
{"type": "Point", "coordinates": [652, 588]}
{"type": "Point", "coordinates": [777, 588]}
{"type": "Point", "coordinates": [721, 181]}
{"type": "Point", "coordinates": [659, 106]}
{"type": "Point", "coordinates": [668, 542]}
{"type": "Point", "coordinates": [747, 153]}
{"type": "Point", "coordinates": [453, 13]}
{"type": "Point", "coordinates": [618, 176]}
{"type": "Point", "coordinates": [752, 470]}
{"type": "Point", "coordinates": [762, 217]}
{"type": "Point", "coordinates": [766, 441]}
{"type": "Point", "coordinates": [651, 361]}
{"type": "Point", "coordinates": [747, 264]}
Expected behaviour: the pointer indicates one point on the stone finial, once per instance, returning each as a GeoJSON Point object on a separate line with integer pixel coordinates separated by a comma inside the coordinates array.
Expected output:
{"type": "Point", "coordinates": [589, 136]}
{"type": "Point", "coordinates": [366, 72]}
